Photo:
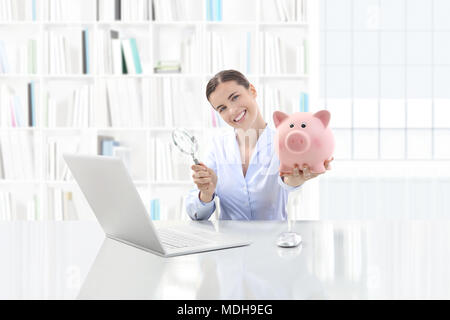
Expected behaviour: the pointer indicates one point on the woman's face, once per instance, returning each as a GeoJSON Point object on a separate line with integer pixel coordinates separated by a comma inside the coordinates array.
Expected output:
{"type": "Point", "coordinates": [236, 105]}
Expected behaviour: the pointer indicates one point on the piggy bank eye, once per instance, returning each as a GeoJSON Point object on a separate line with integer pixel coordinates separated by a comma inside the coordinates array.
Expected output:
{"type": "Point", "coordinates": [303, 125]}
{"type": "Point", "coordinates": [291, 125]}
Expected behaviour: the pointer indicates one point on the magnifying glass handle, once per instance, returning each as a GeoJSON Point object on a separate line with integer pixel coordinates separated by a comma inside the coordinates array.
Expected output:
{"type": "Point", "coordinates": [195, 160]}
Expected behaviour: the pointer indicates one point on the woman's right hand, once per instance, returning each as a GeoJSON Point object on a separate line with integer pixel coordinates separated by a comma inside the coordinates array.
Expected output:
{"type": "Point", "coordinates": [206, 181]}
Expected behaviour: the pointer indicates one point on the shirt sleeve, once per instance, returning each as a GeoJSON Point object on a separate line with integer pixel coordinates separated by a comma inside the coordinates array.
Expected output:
{"type": "Point", "coordinates": [287, 187]}
{"type": "Point", "coordinates": [195, 208]}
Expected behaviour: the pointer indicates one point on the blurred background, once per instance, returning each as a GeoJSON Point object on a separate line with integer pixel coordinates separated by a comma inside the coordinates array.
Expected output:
{"type": "Point", "coordinates": [384, 66]}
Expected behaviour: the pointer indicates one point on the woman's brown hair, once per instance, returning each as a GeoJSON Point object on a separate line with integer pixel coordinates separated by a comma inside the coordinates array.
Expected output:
{"type": "Point", "coordinates": [224, 76]}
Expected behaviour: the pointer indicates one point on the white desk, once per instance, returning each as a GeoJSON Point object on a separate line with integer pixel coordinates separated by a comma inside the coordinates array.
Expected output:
{"type": "Point", "coordinates": [338, 260]}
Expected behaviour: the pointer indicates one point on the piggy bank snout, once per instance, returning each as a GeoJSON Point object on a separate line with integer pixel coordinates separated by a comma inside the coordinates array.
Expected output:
{"type": "Point", "coordinates": [297, 142]}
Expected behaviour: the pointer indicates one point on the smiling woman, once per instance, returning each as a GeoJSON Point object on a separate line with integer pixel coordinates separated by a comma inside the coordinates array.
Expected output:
{"type": "Point", "coordinates": [241, 168]}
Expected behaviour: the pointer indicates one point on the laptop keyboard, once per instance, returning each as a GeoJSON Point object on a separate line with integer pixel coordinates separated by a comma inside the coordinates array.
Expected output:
{"type": "Point", "coordinates": [172, 239]}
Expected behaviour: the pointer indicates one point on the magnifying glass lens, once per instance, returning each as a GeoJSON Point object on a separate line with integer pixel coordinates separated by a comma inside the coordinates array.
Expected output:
{"type": "Point", "coordinates": [185, 142]}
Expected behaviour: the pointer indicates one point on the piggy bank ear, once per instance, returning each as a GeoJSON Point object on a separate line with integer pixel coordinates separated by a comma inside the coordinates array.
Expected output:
{"type": "Point", "coordinates": [278, 117]}
{"type": "Point", "coordinates": [324, 116]}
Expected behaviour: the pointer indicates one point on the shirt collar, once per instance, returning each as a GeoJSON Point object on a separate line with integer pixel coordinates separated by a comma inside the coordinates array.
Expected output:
{"type": "Point", "coordinates": [264, 140]}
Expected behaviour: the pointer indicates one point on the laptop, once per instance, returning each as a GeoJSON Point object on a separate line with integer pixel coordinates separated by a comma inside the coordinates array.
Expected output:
{"type": "Point", "coordinates": [112, 195]}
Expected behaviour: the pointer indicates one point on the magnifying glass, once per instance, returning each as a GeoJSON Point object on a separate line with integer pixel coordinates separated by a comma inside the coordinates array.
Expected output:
{"type": "Point", "coordinates": [185, 142]}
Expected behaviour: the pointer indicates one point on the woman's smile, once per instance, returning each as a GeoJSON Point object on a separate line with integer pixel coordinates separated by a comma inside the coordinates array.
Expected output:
{"type": "Point", "coordinates": [240, 117]}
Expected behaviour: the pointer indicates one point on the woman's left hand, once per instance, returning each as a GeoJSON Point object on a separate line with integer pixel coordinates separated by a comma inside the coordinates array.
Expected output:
{"type": "Point", "coordinates": [298, 177]}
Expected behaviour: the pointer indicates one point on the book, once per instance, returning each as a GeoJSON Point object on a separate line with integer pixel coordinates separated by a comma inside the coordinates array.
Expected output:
{"type": "Point", "coordinates": [155, 209]}
{"type": "Point", "coordinates": [31, 104]}
{"type": "Point", "coordinates": [167, 70]}
{"type": "Point", "coordinates": [305, 54]}
{"type": "Point", "coordinates": [7, 158]}
{"type": "Point", "coordinates": [118, 10]}
{"type": "Point", "coordinates": [282, 10]}
{"type": "Point", "coordinates": [209, 10]}
{"type": "Point", "coordinates": [168, 66]}
{"type": "Point", "coordinates": [100, 139]}
{"type": "Point", "coordinates": [136, 58]}
{"type": "Point", "coordinates": [4, 64]}
{"type": "Point", "coordinates": [19, 112]}
{"type": "Point", "coordinates": [52, 160]}
{"type": "Point", "coordinates": [164, 10]}
{"type": "Point", "coordinates": [2, 206]}
{"type": "Point", "coordinates": [218, 10]}
{"type": "Point", "coordinates": [113, 102]}
{"type": "Point", "coordinates": [167, 92]}
{"type": "Point", "coordinates": [124, 92]}
{"type": "Point", "coordinates": [112, 52]}
{"type": "Point", "coordinates": [25, 147]}
{"type": "Point", "coordinates": [117, 56]}
{"type": "Point", "coordinates": [17, 155]}
{"type": "Point", "coordinates": [85, 51]}
{"type": "Point", "coordinates": [69, 209]}
{"type": "Point", "coordinates": [2, 167]}
{"type": "Point", "coordinates": [301, 10]}
{"type": "Point", "coordinates": [68, 52]}
{"type": "Point", "coordinates": [124, 65]}
{"type": "Point", "coordinates": [304, 102]}
{"type": "Point", "coordinates": [32, 56]}
{"type": "Point", "coordinates": [300, 56]}
{"type": "Point", "coordinates": [214, 10]}
{"type": "Point", "coordinates": [103, 116]}
{"type": "Point", "coordinates": [31, 209]}
{"type": "Point", "coordinates": [275, 53]}
{"type": "Point", "coordinates": [5, 206]}
{"type": "Point", "coordinates": [97, 10]}
{"type": "Point", "coordinates": [57, 204]}
{"type": "Point", "coordinates": [128, 56]}
{"type": "Point", "coordinates": [106, 145]}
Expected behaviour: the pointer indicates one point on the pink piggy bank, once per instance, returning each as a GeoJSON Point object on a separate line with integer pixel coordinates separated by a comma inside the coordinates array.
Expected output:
{"type": "Point", "coordinates": [303, 138]}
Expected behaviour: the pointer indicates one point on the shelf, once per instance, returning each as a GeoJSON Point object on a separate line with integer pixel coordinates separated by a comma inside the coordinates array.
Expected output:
{"type": "Point", "coordinates": [147, 23]}
{"type": "Point", "coordinates": [165, 129]}
{"type": "Point", "coordinates": [284, 24]}
{"type": "Point", "coordinates": [61, 98]}
{"type": "Point", "coordinates": [67, 23]}
{"type": "Point", "coordinates": [171, 183]}
{"type": "Point", "coordinates": [231, 23]}
{"type": "Point", "coordinates": [62, 184]}
{"type": "Point", "coordinates": [142, 76]}
{"type": "Point", "coordinates": [124, 23]}
{"type": "Point", "coordinates": [150, 129]}
{"type": "Point", "coordinates": [18, 76]}
{"type": "Point", "coordinates": [123, 129]}
{"type": "Point", "coordinates": [4, 182]}
{"type": "Point", "coordinates": [59, 184]}
{"type": "Point", "coordinates": [150, 75]}
{"type": "Point", "coordinates": [19, 23]}
{"type": "Point", "coordinates": [67, 129]}
{"type": "Point", "coordinates": [176, 23]}
{"type": "Point", "coordinates": [7, 129]}
{"type": "Point", "coordinates": [178, 75]}
{"type": "Point", "coordinates": [284, 76]}
{"type": "Point", "coordinates": [68, 76]}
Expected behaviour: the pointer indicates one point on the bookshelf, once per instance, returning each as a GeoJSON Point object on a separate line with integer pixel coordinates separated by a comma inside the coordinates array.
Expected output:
{"type": "Point", "coordinates": [83, 102]}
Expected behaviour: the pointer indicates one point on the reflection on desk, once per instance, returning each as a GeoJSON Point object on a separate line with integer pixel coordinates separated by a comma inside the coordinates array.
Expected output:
{"type": "Point", "coordinates": [337, 260]}
{"type": "Point", "coordinates": [239, 273]}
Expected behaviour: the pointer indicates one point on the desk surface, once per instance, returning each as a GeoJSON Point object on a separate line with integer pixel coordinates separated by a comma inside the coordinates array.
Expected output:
{"type": "Point", "coordinates": [337, 260]}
